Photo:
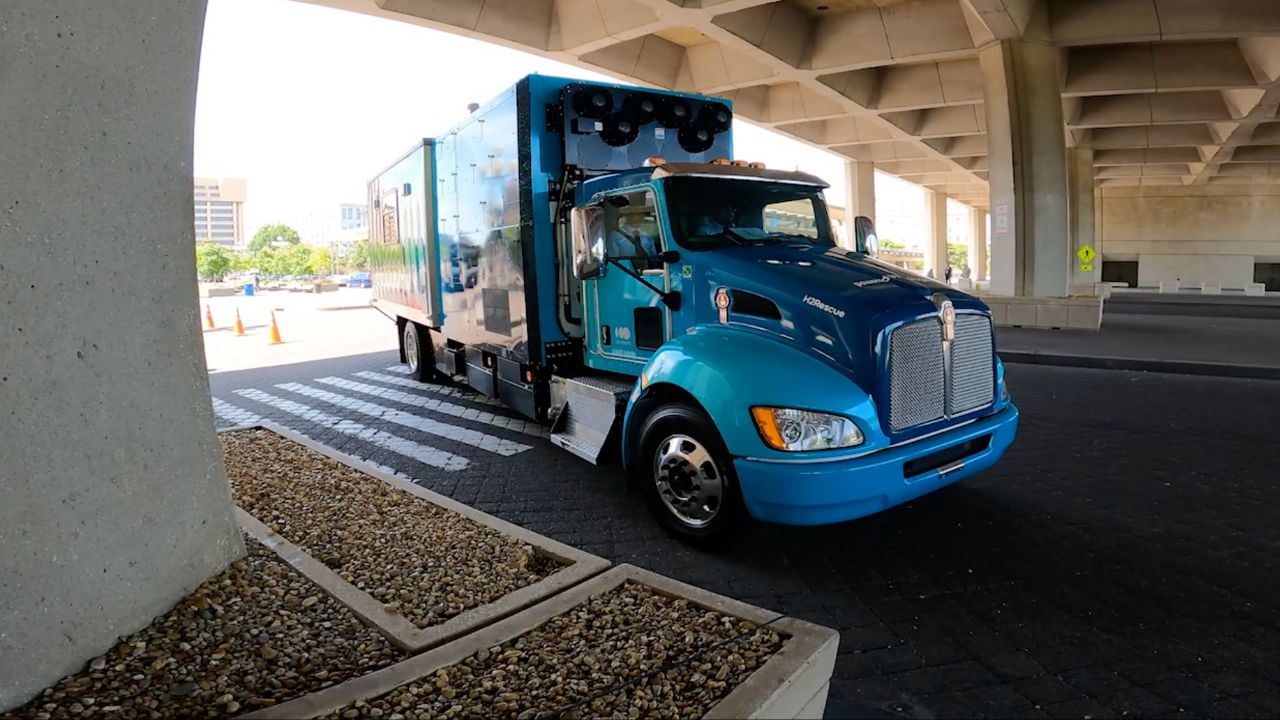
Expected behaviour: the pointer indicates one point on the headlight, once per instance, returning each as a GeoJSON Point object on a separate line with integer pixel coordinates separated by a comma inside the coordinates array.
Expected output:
{"type": "Point", "coordinates": [797, 430]}
{"type": "Point", "coordinates": [1004, 391]}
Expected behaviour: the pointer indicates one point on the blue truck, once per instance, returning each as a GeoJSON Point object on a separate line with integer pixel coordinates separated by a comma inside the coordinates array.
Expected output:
{"type": "Point", "coordinates": [593, 256]}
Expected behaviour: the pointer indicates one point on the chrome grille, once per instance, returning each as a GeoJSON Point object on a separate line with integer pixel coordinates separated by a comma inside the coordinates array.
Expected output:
{"type": "Point", "coordinates": [919, 390]}
{"type": "Point", "coordinates": [916, 382]}
{"type": "Point", "coordinates": [973, 380]}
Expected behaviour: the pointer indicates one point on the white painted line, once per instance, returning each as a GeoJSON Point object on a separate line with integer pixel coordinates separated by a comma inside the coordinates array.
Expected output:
{"type": "Point", "coordinates": [424, 454]}
{"type": "Point", "coordinates": [440, 406]}
{"type": "Point", "coordinates": [234, 416]}
{"type": "Point", "coordinates": [467, 436]}
{"type": "Point", "coordinates": [468, 395]}
{"type": "Point", "coordinates": [401, 369]}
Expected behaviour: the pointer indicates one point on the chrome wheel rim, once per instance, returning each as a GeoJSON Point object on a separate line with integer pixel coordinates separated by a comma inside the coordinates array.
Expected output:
{"type": "Point", "coordinates": [411, 347]}
{"type": "Point", "coordinates": [688, 480]}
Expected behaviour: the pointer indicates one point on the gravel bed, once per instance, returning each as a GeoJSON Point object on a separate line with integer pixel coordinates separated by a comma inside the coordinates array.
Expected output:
{"type": "Point", "coordinates": [628, 653]}
{"type": "Point", "coordinates": [254, 636]}
{"type": "Point", "coordinates": [421, 560]}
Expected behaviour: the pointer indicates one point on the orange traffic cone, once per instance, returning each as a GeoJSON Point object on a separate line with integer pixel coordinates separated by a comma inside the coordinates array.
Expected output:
{"type": "Point", "coordinates": [239, 325]}
{"type": "Point", "coordinates": [273, 334]}
{"type": "Point", "coordinates": [208, 318]}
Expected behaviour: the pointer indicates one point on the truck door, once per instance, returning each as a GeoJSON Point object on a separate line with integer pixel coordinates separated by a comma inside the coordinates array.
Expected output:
{"type": "Point", "coordinates": [625, 318]}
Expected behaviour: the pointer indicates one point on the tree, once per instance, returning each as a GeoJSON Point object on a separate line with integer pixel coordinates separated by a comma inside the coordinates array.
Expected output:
{"type": "Point", "coordinates": [267, 235]}
{"type": "Point", "coordinates": [213, 262]}
{"type": "Point", "coordinates": [319, 262]}
{"type": "Point", "coordinates": [886, 244]}
{"type": "Point", "coordinates": [957, 257]}
{"type": "Point", "coordinates": [358, 258]}
{"type": "Point", "coordinates": [294, 260]}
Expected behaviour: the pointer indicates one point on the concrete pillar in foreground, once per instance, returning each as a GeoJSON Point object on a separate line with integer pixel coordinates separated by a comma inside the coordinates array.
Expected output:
{"type": "Point", "coordinates": [860, 189]}
{"type": "Point", "coordinates": [978, 243]}
{"type": "Point", "coordinates": [1028, 176]}
{"type": "Point", "coordinates": [1081, 207]}
{"type": "Point", "coordinates": [935, 249]}
{"type": "Point", "coordinates": [113, 499]}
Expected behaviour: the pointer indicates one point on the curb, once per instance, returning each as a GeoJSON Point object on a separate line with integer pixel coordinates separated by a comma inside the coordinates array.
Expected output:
{"type": "Point", "coordinates": [1177, 367]}
{"type": "Point", "coordinates": [577, 565]}
{"type": "Point", "coordinates": [793, 683]}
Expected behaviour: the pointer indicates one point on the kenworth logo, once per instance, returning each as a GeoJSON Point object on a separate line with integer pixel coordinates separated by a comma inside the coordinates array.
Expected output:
{"type": "Point", "coordinates": [873, 281]}
{"type": "Point", "coordinates": [811, 300]}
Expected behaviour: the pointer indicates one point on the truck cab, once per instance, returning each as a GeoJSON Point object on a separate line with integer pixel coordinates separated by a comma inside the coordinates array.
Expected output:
{"type": "Point", "coordinates": [698, 318]}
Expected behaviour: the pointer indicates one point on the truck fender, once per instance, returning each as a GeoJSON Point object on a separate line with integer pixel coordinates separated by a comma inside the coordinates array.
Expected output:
{"type": "Point", "coordinates": [726, 370]}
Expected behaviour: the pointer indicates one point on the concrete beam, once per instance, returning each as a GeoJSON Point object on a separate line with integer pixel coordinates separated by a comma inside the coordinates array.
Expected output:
{"type": "Point", "coordinates": [999, 19]}
{"type": "Point", "coordinates": [1148, 67]}
{"type": "Point", "coordinates": [1098, 22]}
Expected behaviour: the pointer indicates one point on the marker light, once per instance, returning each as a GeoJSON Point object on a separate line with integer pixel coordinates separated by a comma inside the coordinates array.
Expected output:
{"type": "Point", "coordinates": [654, 160]}
{"type": "Point", "coordinates": [740, 163]}
{"type": "Point", "coordinates": [722, 305]}
{"type": "Point", "coordinates": [720, 161]}
{"type": "Point", "coordinates": [793, 430]}
{"type": "Point", "coordinates": [757, 165]}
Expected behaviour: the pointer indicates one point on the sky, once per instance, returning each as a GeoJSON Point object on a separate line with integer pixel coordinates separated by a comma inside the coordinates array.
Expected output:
{"type": "Point", "coordinates": [308, 103]}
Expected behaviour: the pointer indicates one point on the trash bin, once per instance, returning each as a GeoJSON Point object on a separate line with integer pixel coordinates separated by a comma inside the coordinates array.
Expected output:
{"type": "Point", "coordinates": [248, 289]}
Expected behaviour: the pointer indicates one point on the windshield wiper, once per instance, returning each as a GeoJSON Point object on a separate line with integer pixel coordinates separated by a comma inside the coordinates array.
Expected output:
{"type": "Point", "coordinates": [795, 236]}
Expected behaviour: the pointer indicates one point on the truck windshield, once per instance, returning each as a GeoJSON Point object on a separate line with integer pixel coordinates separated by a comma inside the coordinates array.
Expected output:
{"type": "Point", "coordinates": [709, 213]}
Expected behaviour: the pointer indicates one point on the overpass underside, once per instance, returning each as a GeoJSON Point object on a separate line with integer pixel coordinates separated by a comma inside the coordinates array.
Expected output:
{"type": "Point", "coordinates": [1145, 129]}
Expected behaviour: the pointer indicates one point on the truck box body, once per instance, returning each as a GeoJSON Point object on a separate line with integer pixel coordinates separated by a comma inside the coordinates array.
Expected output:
{"type": "Point", "coordinates": [461, 225]}
{"type": "Point", "coordinates": [594, 256]}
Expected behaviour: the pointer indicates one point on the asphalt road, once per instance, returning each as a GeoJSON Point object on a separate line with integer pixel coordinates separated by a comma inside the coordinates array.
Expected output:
{"type": "Point", "coordinates": [1122, 559]}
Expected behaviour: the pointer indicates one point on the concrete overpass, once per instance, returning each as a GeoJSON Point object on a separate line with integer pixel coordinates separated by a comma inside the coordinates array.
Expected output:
{"type": "Point", "coordinates": [1144, 128]}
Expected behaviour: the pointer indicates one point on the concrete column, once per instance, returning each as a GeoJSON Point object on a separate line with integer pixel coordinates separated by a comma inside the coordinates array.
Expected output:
{"type": "Point", "coordinates": [935, 251]}
{"type": "Point", "coordinates": [860, 193]}
{"type": "Point", "coordinates": [1028, 177]}
{"type": "Point", "coordinates": [113, 499]}
{"type": "Point", "coordinates": [978, 243]}
{"type": "Point", "coordinates": [860, 188]}
{"type": "Point", "coordinates": [1081, 218]}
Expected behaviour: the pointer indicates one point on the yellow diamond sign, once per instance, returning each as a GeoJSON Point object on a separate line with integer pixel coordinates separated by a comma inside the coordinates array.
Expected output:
{"type": "Point", "coordinates": [1086, 254]}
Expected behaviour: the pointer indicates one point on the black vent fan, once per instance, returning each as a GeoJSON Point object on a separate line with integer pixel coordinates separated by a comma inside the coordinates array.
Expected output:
{"type": "Point", "coordinates": [640, 107]}
{"type": "Point", "coordinates": [619, 129]}
{"type": "Point", "coordinates": [715, 117]}
{"type": "Point", "coordinates": [594, 103]}
{"type": "Point", "coordinates": [696, 139]}
{"type": "Point", "coordinates": [675, 112]}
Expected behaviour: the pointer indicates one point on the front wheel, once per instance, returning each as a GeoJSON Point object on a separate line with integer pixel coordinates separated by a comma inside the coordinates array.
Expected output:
{"type": "Point", "coordinates": [687, 476]}
{"type": "Point", "coordinates": [417, 351]}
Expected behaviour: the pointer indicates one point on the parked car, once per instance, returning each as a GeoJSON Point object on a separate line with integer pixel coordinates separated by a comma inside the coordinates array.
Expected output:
{"type": "Point", "coordinates": [360, 280]}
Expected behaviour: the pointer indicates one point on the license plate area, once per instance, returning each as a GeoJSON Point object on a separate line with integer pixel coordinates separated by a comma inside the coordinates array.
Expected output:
{"type": "Point", "coordinates": [948, 459]}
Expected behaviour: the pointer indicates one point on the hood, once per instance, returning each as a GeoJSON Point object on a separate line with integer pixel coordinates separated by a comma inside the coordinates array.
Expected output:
{"type": "Point", "coordinates": [834, 301]}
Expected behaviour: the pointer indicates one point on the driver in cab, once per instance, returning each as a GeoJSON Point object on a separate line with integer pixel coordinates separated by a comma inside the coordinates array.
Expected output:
{"type": "Point", "coordinates": [634, 239]}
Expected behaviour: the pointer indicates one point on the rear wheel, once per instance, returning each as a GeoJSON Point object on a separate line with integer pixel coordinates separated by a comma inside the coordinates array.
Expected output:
{"type": "Point", "coordinates": [417, 351]}
{"type": "Point", "coordinates": [687, 476]}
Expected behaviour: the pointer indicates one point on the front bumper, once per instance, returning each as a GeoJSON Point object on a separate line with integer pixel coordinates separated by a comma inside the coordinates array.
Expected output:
{"type": "Point", "coordinates": [827, 492]}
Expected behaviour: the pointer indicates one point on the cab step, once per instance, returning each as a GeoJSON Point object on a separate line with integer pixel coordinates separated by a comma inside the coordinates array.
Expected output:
{"type": "Point", "coordinates": [585, 411]}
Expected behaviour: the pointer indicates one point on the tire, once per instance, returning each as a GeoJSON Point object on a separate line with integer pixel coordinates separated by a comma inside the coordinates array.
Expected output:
{"type": "Point", "coordinates": [417, 351]}
{"type": "Point", "coordinates": [686, 475]}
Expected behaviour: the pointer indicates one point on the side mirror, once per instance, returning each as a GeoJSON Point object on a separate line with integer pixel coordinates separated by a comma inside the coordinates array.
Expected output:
{"type": "Point", "coordinates": [864, 233]}
{"type": "Point", "coordinates": [670, 257]}
{"type": "Point", "coordinates": [586, 225]}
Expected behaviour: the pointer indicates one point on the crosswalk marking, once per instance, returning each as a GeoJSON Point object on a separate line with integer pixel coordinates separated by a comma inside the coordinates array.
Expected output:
{"type": "Point", "coordinates": [234, 415]}
{"type": "Point", "coordinates": [440, 406]}
{"type": "Point", "coordinates": [467, 436]}
{"type": "Point", "coordinates": [425, 454]}
{"type": "Point", "coordinates": [445, 390]}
